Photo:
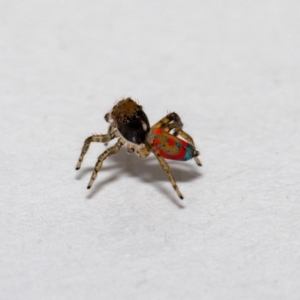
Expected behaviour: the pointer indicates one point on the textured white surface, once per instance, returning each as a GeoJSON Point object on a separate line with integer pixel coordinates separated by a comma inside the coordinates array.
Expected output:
{"type": "Point", "coordinates": [231, 70]}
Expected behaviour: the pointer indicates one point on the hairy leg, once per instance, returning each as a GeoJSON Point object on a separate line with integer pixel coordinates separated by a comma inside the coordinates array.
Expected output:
{"type": "Point", "coordinates": [166, 168]}
{"type": "Point", "coordinates": [172, 117]}
{"type": "Point", "coordinates": [110, 151]}
{"type": "Point", "coordinates": [110, 131]}
{"type": "Point", "coordinates": [101, 138]}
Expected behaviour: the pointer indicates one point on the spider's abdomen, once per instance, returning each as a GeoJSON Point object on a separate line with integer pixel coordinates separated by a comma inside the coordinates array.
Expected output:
{"type": "Point", "coordinates": [131, 121]}
{"type": "Point", "coordinates": [171, 147]}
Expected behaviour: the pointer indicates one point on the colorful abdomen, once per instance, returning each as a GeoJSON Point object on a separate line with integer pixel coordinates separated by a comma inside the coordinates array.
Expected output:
{"type": "Point", "coordinates": [171, 147]}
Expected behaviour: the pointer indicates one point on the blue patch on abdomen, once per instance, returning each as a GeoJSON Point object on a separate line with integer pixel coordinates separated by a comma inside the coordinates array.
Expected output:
{"type": "Point", "coordinates": [189, 152]}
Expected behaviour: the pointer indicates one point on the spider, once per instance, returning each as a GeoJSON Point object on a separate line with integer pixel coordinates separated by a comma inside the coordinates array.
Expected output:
{"type": "Point", "coordinates": [129, 123]}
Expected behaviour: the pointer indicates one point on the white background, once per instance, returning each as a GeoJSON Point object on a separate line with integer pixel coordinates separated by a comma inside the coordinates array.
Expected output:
{"type": "Point", "coordinates": [230, 69]}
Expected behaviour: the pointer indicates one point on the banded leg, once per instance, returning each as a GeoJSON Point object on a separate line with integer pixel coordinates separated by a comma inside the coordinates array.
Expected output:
{"type": "Point", "coordinates": [166, 168]}
{"type": "Point", "coordinates": [110, 130]}
{"type": "Point", "coordinates": [110, 151]}
{"type": "Point", "coordinates": [187, 137]}
{"type": "Point", "coordinates": [172, 117]}
{"type": "Point", "coordinates": [101, 138]}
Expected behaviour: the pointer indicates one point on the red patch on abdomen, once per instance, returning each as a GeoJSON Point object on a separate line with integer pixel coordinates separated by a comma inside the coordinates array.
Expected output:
{"type": "Point", "coordinates": [169, 146]}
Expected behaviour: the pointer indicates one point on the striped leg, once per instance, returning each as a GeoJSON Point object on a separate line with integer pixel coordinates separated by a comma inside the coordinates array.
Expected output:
{"type": "Point", "coordinates": [110, 151]}
{"type": "Point", "coordinates": [110, 131]}
{"type": "Point", "coordinates": [166, 168]}
{"type": "Point", "coordinates": [172, 117]}
{"type": "Point", "coordinates": [101, 138]}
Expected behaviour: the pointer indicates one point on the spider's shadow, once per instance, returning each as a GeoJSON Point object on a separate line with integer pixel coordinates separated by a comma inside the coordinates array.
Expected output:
{"type": "Point", "coordinates": [146, 170]}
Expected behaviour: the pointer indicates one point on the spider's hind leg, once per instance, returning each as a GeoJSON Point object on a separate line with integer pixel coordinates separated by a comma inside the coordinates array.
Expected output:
{"type": "Point", "coordinates": [166, 168]}
{"type": "Point", "coordinates": [100, 138]}
{"type": "Point", "coordinates": [110, 151]}
{"type": "Point", "coordinates": [171, 117]}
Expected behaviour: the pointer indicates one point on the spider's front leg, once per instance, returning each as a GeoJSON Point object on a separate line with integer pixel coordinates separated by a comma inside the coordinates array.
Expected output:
{"type": "Point", "coordinates": [171, 117]}
{"type": "Point", "coordinates": [166, 168]}
{"type": "Point", "coordinates": [111, 129]}
{"type": "Point", "coordinates": [101, 138]}
{"type": "Point", "coordinates": [110, 151]}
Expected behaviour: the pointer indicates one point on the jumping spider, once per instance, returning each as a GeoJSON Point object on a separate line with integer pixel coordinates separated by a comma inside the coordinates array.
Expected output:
{"type": "Point", "coordinates": [128, 122]}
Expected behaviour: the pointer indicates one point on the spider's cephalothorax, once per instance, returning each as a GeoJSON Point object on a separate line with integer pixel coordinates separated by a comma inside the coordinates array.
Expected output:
{"type": "Point", "coordinates": [130, 125]}
{"type": "Point", "coordinates": [130, 120]}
